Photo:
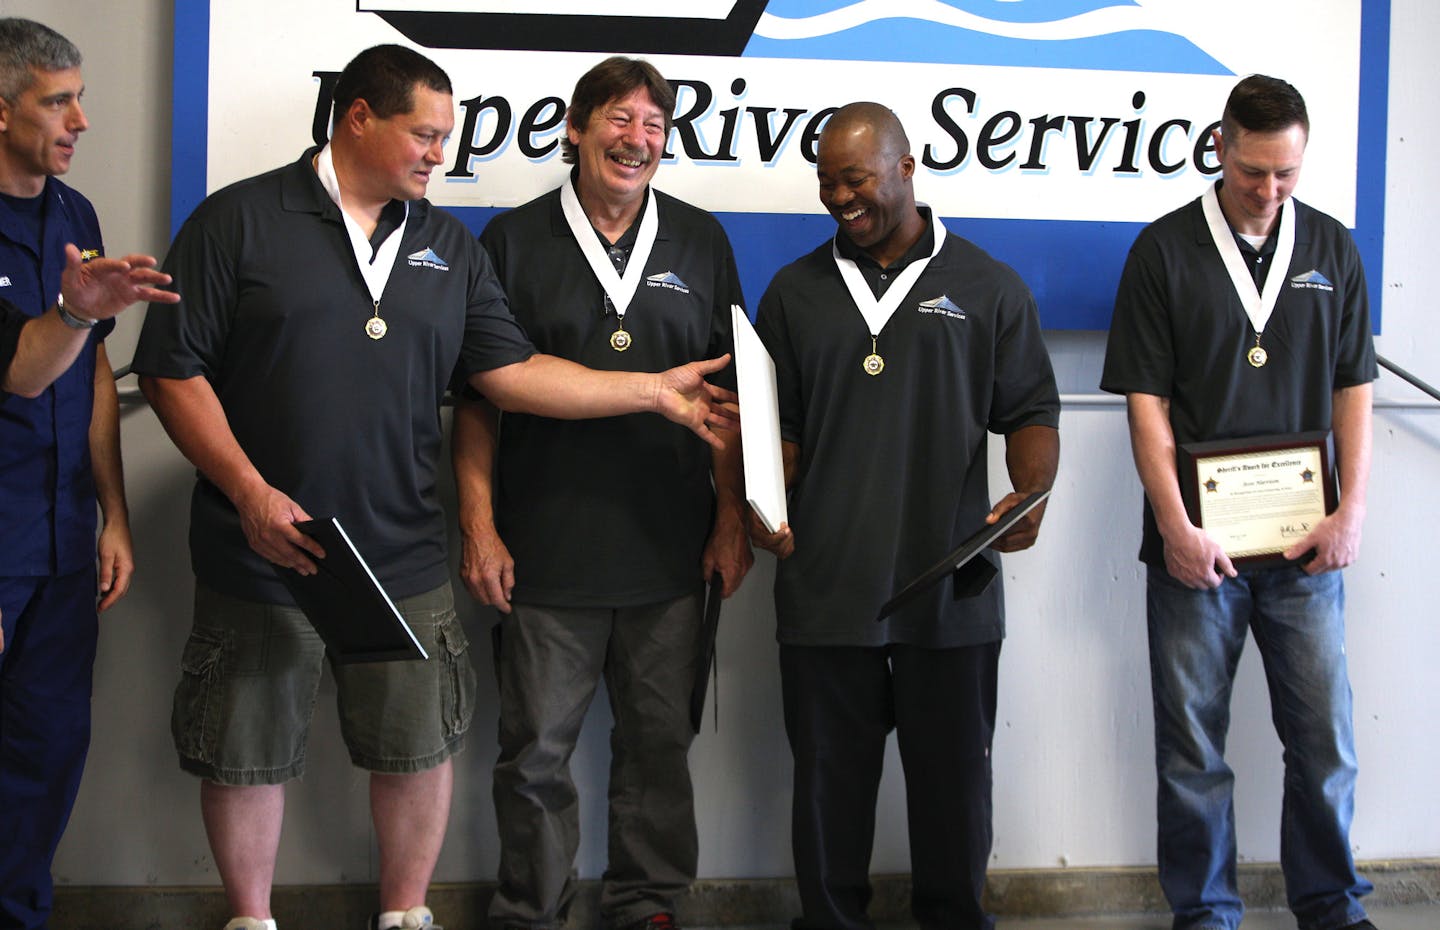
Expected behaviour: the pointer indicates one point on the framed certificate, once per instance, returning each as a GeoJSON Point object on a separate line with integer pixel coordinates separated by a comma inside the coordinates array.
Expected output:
{"type": "Point", "coordinates": [1257, 496]}
{"type": "Point", "coordinates": [970, 574]}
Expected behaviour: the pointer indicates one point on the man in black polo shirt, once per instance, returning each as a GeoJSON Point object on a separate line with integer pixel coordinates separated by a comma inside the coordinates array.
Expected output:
{"type": "Point", "coordinates": [326, 307]}
{"type": "Point", "coordinates": [1210, 342]}
{"type": "Point", "coordinates": [594, 538]}
{"type": "Point", "coordinates": [897, 347]}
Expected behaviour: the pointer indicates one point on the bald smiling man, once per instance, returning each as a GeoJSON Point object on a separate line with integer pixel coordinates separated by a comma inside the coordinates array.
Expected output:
{"type": "Point", "coordinates": [898, 346]}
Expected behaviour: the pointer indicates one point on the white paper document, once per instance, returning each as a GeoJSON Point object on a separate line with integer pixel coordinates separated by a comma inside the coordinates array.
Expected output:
{"type": "Point", "coordinates": [759, 423]}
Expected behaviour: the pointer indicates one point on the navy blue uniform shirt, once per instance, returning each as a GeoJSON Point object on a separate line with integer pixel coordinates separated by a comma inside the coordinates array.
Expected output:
{"type": "Point", "coordinates": [47, 490]}
{"type": "Point", "coordinates": [11, 322]}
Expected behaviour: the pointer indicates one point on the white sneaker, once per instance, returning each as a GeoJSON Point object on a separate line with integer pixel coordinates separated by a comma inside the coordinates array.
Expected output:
{"type": "Point", "coordinates": [250, 923]}
{"type": "Point", "coordinates": [413, 919]}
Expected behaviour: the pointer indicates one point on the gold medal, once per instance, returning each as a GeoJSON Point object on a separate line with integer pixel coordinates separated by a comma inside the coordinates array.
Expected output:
{"type": "Point", "coordinates": [1257, 356]}
{"type": "Point", "coordinates": [375, 327]}
{"type": "Point", "coordinates": [873, 363]}
{"type": "Point", "coordinates": [620, 340]}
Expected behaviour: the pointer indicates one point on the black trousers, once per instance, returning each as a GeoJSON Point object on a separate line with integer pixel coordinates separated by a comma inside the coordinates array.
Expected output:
{"type": "Point", "coordinates": [840, 704]}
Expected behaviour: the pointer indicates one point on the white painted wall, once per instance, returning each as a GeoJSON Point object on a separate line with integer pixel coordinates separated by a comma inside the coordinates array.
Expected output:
{"type": "Point", "coordinates": [1073, 772]}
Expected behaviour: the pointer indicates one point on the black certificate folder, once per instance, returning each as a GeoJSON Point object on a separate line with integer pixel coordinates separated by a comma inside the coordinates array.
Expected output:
{"type": "Point", "coordinates": [705, 666]}
{"type": "Point", "coordinates": [972, 575]}
{"type": "Point", "coordinates": [347, 604]}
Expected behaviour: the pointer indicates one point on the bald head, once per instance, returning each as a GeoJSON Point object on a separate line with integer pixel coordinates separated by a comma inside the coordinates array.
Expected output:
{"type": "Point", "coordinates": [865, 170]}
{"type": "Point", "coordinates": [874, 123]}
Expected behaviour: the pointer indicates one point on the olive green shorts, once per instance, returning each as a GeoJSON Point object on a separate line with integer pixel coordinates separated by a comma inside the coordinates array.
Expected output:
{"type": "Point", "coordinates": [251, 672]}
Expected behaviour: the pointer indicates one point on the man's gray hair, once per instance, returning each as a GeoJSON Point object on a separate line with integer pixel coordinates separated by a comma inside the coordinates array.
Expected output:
{"type": "Point", "coordinates": [26, 47]}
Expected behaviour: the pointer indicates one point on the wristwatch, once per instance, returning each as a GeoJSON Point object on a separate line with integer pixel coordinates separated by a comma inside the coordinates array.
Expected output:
{"type": "Point", "coordinates": [70, 319]}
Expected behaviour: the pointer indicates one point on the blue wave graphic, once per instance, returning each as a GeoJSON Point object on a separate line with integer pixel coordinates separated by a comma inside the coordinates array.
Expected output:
{"type": "Point", "coordinates": [909, 39]}
{"type": "Point", "coordinates": [1010, 11]}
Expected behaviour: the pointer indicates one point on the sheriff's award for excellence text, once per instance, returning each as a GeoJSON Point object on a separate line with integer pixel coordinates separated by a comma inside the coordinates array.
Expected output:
{"type": "Point", "coordinates": [1257, 497]}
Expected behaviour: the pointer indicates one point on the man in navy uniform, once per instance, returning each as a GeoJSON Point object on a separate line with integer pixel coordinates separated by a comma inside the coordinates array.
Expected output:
{"type": "Point", "coordinates": [59, 452]}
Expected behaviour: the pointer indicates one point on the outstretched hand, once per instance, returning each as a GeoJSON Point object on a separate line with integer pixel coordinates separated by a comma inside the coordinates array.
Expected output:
{"type": "Point", "coordinates": [684, 396]}
{"type": "Point", "coordinates": [102, 287]}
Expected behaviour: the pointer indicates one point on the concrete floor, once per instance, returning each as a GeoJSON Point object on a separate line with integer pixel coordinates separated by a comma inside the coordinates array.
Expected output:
{"type": "Point", "coordinates": [1412, 917]}
{"type": "Point", "coordinates": [1384, 918]}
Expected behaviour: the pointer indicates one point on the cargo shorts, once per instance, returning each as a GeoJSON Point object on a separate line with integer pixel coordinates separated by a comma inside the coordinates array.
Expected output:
{"type": "Point", "coordinates": [250, 675]}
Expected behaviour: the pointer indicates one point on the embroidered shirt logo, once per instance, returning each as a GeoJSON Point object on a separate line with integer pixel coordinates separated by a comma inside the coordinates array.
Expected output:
{"type": "Point", "coordinates": [426, 258]}
{"type": "Point", "coordinates": [942, 305]}
{"type": "Point", "coordinates": [1312, 280]}
{"type": "Point", "coordinates": [667, 279]}
{"type": "Point", "coordinates": [4, 280]}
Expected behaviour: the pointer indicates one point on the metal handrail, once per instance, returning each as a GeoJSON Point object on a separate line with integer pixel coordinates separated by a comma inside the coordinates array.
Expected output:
{"type": "Point", "coordinates": [1407, 376]}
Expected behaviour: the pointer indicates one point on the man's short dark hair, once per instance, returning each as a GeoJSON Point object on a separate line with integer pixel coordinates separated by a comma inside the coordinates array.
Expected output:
{"type": "Point", "coordinates": [384, 76]}
{"type": "Point", "coordinates": [1263, 104]}
{"type": "Point", "coordinates": [26, 47]}
{"type": "Point", "coordinates": [615, 77]}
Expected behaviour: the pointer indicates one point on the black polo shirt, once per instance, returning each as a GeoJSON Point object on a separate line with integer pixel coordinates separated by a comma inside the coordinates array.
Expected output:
{"type": "Point", "coordinates": [614, 511]}
{"type": "Point", "coordinates": [893, 469]}
{"type": "Point", "coordinates": [273, 313]}
{"type": "Point", "coordinates": [1180, 332]}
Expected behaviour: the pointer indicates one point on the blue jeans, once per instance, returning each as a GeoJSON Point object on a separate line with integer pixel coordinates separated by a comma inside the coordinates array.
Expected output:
{"type": "Point", "coordinates": [1195, 642]}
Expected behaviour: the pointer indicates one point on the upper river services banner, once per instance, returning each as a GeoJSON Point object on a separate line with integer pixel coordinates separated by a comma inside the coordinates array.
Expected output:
{"type": "Point", "coordinates": [1047, 131]}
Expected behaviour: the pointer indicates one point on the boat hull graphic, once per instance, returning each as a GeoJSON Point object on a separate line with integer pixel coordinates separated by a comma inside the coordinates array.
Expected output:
{"type": "Point", "coordinates": [540, 32]}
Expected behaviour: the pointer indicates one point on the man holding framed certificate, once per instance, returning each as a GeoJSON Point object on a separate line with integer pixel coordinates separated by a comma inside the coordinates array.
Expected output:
{"type": "Point", "coordinates": [1248, 390]}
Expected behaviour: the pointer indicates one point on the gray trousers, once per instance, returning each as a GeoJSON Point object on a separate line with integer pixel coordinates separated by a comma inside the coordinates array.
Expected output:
{"type": "Point", "coordinates": [551, 660]}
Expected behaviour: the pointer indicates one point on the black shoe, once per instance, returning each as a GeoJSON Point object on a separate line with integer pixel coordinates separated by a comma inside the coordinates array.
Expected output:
{"type": "Point", "coordinates": [1362, 925]}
